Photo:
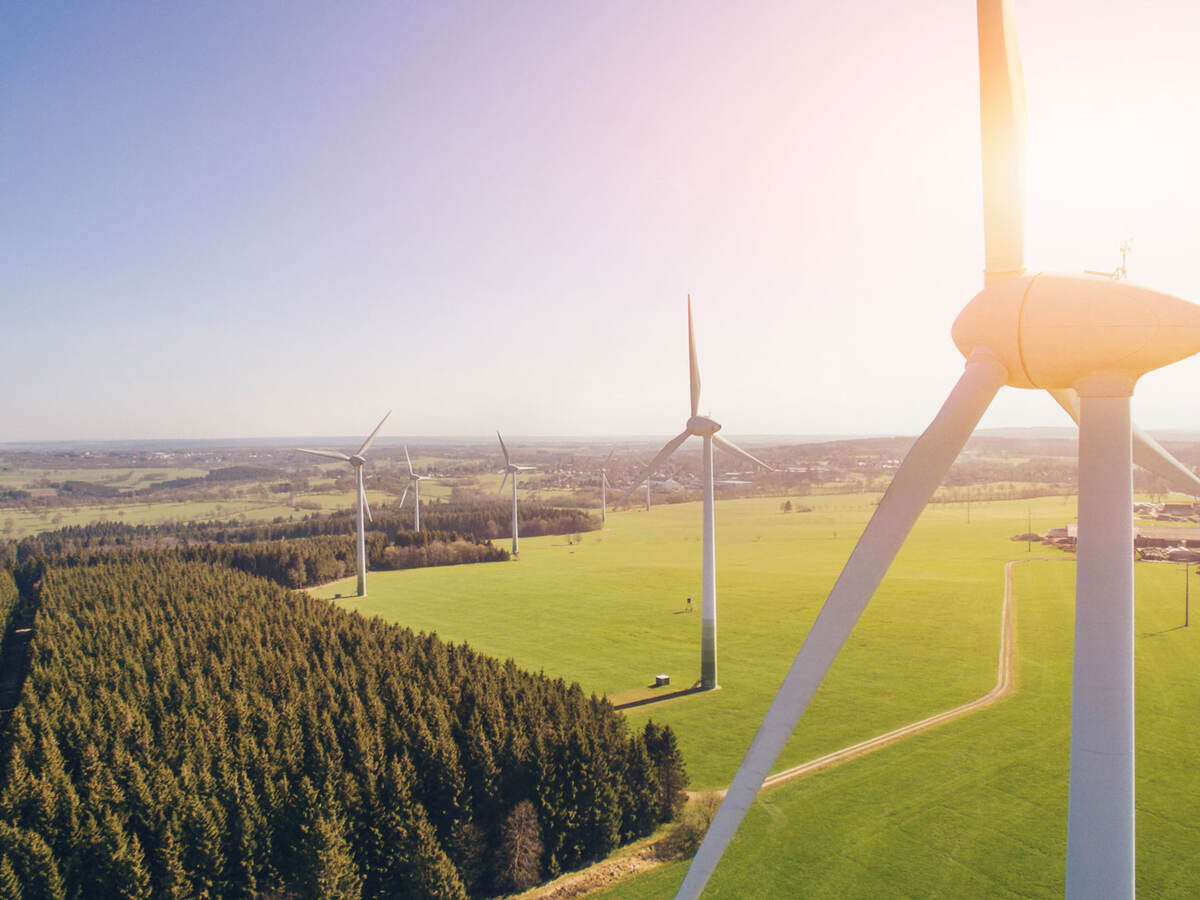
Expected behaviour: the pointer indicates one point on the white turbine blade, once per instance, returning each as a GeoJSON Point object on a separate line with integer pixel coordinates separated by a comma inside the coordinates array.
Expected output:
{"type": "Point", "coordinates": [608, 459]}
{"type": "Point", "coordinates": [604, 475]}
{"type": "Point", "coordinates": [367, 442]}
{"type": "Point", "coordinates": [671, 446]}
{"type": "Point", "coordinates": [730, 447]}
{"type": "Point", "coordinates": [407, 460]}
{"type": "Point", "coordinates": [524, 468]}
{"type": "Point", "coordinates": [693, 365]}
{"type": "Point", "coordinates": [330, 454]}
{"type": "Point", "coordinates": [502, 447]}
{"type": "Point", "coordinates": [503, 482]}
{"type": "Point", "coordinates": [367, 507]}
{"type": "Point", "coordinates": [1147, 452]}
{"type": "Point", "coordinates": [403, 497]}
{"type": "Point", "coordinates": [1002, 127]}
{"type": "Point", "coordinates": [915, 481]}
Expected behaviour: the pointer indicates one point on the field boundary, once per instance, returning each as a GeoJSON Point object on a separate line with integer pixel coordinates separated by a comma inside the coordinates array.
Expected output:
{"type": "Point", "coordinates": [641, 857]}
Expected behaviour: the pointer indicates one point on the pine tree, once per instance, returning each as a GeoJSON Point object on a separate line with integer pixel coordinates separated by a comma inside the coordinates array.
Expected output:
{"type": "Point", "coordinates": [10, 885]}
{"type": "Point", "coordinates": [669, 766]}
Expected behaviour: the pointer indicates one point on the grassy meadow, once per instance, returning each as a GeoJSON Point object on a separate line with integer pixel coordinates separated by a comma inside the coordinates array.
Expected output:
{"type": "Point", "coordinates": [975, 807]}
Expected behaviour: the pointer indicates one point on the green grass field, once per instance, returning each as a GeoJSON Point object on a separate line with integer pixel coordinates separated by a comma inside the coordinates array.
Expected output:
{"type": "Point", "coordinates": [975, 807]}
{"type": "Point", "coordinates": [133, 512]}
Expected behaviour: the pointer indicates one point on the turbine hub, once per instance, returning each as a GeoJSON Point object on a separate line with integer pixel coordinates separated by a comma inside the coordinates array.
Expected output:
{"type": "Point", "coordinates": [703, 426]}
{"type": "Point", "coordinates": [357, 460]}
{"type": "Point", "coordinates": [1055, 331]}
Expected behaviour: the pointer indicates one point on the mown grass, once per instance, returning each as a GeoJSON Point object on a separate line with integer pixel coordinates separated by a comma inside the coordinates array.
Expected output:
{"type": "Point", "coordinates": [608, 612]}
{"type": "Point", "coordinates": [977, 807]}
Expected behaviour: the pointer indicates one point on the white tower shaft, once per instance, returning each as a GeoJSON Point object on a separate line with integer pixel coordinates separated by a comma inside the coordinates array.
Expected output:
{"type": "Point", "coordinates": [708, 604]}
{"type": "Point", "coordinates": [417, 505]}
{"type": "Point", "coordinates": [1100, 829]}
{"type": "Point", "coordinates": [603, 500]}
{"type": "Point", "coordinates": [514, 524]}
{"type": "Point", "coordinates": [362, 537]}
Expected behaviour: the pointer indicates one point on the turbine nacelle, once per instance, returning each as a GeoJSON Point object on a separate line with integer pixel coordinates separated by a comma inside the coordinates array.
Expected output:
{"type": "Point", "coordinates": [357, 460]}
{"type": "Point", "coordinates": [702, 426]}
{"type": "Point", "coordinates": [1060, 331]}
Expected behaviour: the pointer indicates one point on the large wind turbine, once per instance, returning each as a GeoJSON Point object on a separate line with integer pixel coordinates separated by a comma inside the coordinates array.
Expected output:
{"type": "Point", "coordinates": [357, 461]}
{"type": "Point", "coordinates": [706, 428]}
{"type": "Point", "coordinates": [414, 482]}
{"type": "Point", "coordinates": [1088, 336]}
{"type": "Point", "coordinates": [511, 468]}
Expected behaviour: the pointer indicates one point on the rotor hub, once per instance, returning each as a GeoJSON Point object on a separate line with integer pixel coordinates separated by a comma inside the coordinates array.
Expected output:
{"type": "Point", "coordinates": [702, 426]}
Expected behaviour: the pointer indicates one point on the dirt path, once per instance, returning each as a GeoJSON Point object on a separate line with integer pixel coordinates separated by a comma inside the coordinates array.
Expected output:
{"type": "Point", "coordinates": [642, 856]}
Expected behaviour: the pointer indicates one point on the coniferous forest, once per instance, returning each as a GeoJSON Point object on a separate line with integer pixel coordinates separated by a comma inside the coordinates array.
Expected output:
{"type": "Point", "coordinates": [185, 729]}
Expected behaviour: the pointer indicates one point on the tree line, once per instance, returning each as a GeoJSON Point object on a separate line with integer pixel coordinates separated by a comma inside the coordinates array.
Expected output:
{"type": "Point", "coordinates": [186, 729]}
{"type": "Point", "coordinates": [473, 522]}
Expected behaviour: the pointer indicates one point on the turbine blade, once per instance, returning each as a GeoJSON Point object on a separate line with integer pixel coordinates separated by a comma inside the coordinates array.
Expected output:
{"type": "Point", "coordinates": [503, 481]}
{"type": "Point", "coordinates": [670, 447]}
{"type": "Point", "coordinates": [915, 481]}
{"type": "Point", "coordinates": [367, 508]}
{"type": "Point", "coordinates": [693, 365]}
{"type": "Point", "coordinates": [604, 475]}
{"type": "Point", "coordinates": [608, 459]}
{"type": "Point", "coordinates": [403, 497]}
{"type": "Point", "coordinates": [1002, 127]}
{"type": "Point", "coordinates": [502, 447]}
{"type": "Point", "coordinates": [330, 454]}
{"type": "Point", "coordinates": [1147, 452]}
{"type": "Point", "coordinates": [730, 447]}
{"type": "Point", "coordinates": [408, 460]}
{"type": "Point", "coordinates": [367, 442]}
{"type": "Point", "coordinates": [524, 468]}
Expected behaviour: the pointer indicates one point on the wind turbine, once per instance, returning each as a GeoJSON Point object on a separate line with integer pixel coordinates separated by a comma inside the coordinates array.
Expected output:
{"type": "Point", "coordinates": [511, 468]}
{"type": "Point", "coordinates": [357, 461]}
{"type": "Point", "coordinates": [1087, 340]}
{"type": "Point", "coordinates": [414, 482]}
{"type": "Point", "coordinates": [706, 428]}
{"type": "Point", "coordinates": [605, 483]}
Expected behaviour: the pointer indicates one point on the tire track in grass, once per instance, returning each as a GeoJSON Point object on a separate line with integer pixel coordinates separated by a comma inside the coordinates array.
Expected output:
{"type": "Point", "coordinates": [618, 867]}
{"type": "Point", "coordinates": [1004, 686]}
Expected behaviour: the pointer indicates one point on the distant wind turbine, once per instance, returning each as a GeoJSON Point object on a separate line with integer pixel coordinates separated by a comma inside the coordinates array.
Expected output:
{"type": "Point", "coordinates": [605, 483]}
{"type": "Point", "coordinates": [414, 482]}
{"type": "Point", "coordinates": [706, 428]}
{"type": "Point", "coordinates": [357, 461]}
{"type": "Point", "coordinates": [511, 468]}
{"type": "Point", "coordinates": [1087, 341]}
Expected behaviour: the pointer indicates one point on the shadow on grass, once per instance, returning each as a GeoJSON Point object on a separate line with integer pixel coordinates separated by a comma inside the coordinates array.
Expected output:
{"type": "Point", "coordinates": [670, 695]}
{"type": "Point", "coordinates": [1164, 631]}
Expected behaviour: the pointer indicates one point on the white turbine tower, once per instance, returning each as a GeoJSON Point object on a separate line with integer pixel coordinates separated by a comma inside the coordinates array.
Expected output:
{"type": "Point", "coordinates": [511, 468]}
{"type": "Point", "coordinates": [414, 482]}
{"type": "Point", "coordinates": [604, 485]}
{"type": "Point", "coordinates": [357, 461]}
{"type": "Point", "coordinates": [1087, 340]}
{"type": "Point", "coordinates": [706, 428]}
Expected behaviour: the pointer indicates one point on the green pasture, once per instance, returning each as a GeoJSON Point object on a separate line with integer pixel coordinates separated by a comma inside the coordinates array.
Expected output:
{"type": "Point", "coordinates": [33, 521]}
{"type": "Point", "coordinates": [975, 807]}
{"type": "Point", "coordinates": [978, 807]}
{"type": "Point", "coordinates": [609, 612]}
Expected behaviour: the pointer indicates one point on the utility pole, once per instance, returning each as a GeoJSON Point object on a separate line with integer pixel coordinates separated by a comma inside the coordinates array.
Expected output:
{"type": "Point", "coordinates": [1187, 593]}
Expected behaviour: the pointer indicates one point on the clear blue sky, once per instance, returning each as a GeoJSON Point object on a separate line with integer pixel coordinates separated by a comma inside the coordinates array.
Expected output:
{"type": "Point", "coordinates": [249, 219]}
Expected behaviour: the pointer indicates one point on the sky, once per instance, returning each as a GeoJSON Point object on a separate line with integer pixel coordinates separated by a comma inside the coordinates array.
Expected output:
{"type": "Point", "coordinates": [269, 219]}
